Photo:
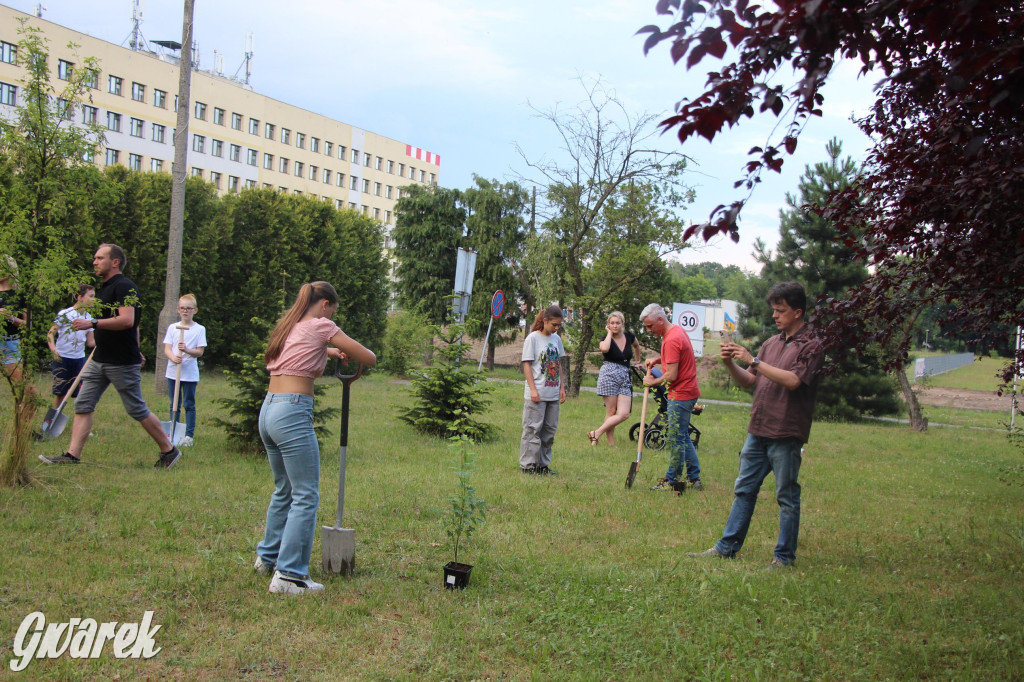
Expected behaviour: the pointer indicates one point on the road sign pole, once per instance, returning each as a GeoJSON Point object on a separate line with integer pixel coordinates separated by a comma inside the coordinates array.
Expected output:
{"type": "Point", "coordinates": [497, 306]}
{"type": "Point", "coordinates": [484, 351]}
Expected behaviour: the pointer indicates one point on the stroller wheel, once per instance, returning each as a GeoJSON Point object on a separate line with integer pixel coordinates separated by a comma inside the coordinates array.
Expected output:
{"type": "Point", "coordinates": [634, 432]}
{"type": "Point", "coordinates": [654, 439]}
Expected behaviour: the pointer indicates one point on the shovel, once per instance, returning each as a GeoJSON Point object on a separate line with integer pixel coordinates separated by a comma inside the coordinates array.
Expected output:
{"type": "Point", "coordinates": [635, 465]}
{"type": "Point", "coordinates": [55, 421]}
{"type": "Point", "coordinates": [339, 544]}
{"type": "Point", "coordinates": [171, 427]}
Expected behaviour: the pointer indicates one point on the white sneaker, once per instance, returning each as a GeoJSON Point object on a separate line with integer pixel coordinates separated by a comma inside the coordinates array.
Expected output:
{"type": "Point", "coordinates": [262, 568]}
{"type": "Point", "coordinates": [285, 584]}
{"type": "Point", "coordinates": [186, 442]}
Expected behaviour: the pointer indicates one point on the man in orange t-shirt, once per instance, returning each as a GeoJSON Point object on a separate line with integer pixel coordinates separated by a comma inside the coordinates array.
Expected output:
{"type": "Point", "coordinates": [679, 373]}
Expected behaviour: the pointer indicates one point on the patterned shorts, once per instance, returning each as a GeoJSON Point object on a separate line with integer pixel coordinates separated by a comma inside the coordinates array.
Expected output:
{"type": "Point", "coordinates": [613, 379]}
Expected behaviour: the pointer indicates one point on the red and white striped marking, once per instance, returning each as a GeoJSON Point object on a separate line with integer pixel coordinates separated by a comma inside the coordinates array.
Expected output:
{"type": "Point", "coordinates": [422, 155]}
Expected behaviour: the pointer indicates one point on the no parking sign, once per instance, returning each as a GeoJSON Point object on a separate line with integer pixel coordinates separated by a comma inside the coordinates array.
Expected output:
{"type": "Point", "coordinates": [691, 317]}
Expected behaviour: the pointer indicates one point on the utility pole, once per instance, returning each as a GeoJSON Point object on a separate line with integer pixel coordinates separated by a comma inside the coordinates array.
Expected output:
{"type": "Point", "coordinates": [172, 285]}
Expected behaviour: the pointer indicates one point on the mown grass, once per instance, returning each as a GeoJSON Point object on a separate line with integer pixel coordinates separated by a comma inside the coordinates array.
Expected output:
{"type": "Point", "coordinates": [980, 375]}
{"type": "Point", "coordinates": [910, 563]}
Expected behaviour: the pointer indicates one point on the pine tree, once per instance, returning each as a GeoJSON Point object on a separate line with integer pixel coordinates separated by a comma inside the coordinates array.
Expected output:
{"type": "Point", "coordinates": [810, 251]}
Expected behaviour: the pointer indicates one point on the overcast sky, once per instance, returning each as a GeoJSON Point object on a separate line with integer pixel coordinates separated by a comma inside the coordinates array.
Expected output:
{"type": "Point", "coordinates": [458, 78]}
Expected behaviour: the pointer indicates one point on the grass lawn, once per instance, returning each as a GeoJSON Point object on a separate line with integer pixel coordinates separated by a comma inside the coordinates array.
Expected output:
{"type": "Point", "coordinates": [911, 560]}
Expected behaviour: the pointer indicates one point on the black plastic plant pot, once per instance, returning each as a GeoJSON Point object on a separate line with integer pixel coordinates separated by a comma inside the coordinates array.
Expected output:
{"type": "Point", "coordinates": [456, 576]}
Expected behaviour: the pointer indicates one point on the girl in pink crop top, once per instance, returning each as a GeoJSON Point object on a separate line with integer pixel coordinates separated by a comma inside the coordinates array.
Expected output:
{"type": "Point", "coordinates": [305, 351]}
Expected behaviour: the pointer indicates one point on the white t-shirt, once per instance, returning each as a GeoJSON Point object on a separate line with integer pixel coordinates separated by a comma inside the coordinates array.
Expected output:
{"type": "Point", "coordinates": [195, 337]}
{"type": "Point", "coordinates": [70, 342]}
{"type": "Point", "coordinates": [543, 352]}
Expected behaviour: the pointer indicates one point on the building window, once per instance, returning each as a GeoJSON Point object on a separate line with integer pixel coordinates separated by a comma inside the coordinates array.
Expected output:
{"type": "Point", "coordinates": [135, 162]}
{"type": "Point", "coordinates": [218, 116]}
{"type": "Point", "coordinates": [113, 121]}
{"type": "Point", "coordinates": [200, 110]}
{"type": "Point", "coordinates": [401, 169]}
{"type": "Point", "coordinates": [299, 167]}
{"type": "Point", "coordinates": [65, 109]}
{"type": "Point", "coordinates": [8, 52]}
{"type": "Point", "coordinates": [135, 127]}
{"type": "Point", "coordinates": [89, 156]}
{"type": "Point", "coordinates": [235, 153]}
{"type": "Point", "coordinates": [354, 184]}
{"type": "Point", "coordinates": [366, 210]}
{"type": "Point", "coordinates": [254, 126]}
{"type": "Point", "coordinates": [175, 104]}
{"type": "Point", "coordinates": [199, 143]}
{"type": "Point", "coordinates": [328, 148]}
{"type": "Point", "coordinates": [160, 99]}
{"type": "Point", "coordinates": [366, 186]}
{"type": "Point", "coordinates": [339, 180]}
{"type": "Point", "coordinates": [355, 156]}
{"type": "Point", "coordinates": [89, 113]}
{"type": "Point", "coordinates": [215, 179]}
{"type": "Point", "coordinates": [327, 176]}
{"type": "Point", "coordinates": [158, 132]}
{"type": "Point", "coordinates": [251, 156]}
{"type": "Point", "coordinates": [300, 140]}
{"type": "Point", "coordinates": [268, 161]}
{"type": "Point", "coordinates": [412, 173]}
{"type": "Point", "coordinates": [268, 131]}
{"type": "Point", "coordinates": [352, 205]}
{"type": "Point", "coordinates": [138, 92]}
{"type": "Point", "coordinates": [341, 152]}
{"type": "Point", "coordinates": [338, 204]}
{"type": "Point", "coordinates": [387, 217]}
{"type": "Point", "coordinates": [115, 85]}
{"type": "Point", "coordinates": [216, 147]}
{"type": "Point", "coordinates": [387, 192]}
{"type": "Point", "coordinates": [64, 69]}
{"type": "Point", "coordinates": [236, 121]}
{"type": "Point", "coordinates": [379, 164]}
{"type": "Point", "coordinates": [286, 136]}
{"type": "Point", "coordinates": [423, 176]}
{"type": "Point", "coordinates": [366, 161]}
{"type": "Point", "coordinates": [112, 156]}
{"type": "Point", "coordinates": [8, 94]}
{"type": "Point", "coordinates": [376, 214]}
{"type": "Point", "coordinates": [314, 144]}
{"type": "Point", "coordinates": [232, 184]}
{"type": "Point", "coordinates": [283, 165]}
{"type": "Point", "coordinates": [156, 165]}
{"type": "Point", "coordinates": [250, 184]}
{"type": "Point", "coordinates": [197, 172]}
{"type": "Point", "coordinates": [313, 172]}
{"type": "Point", "coordinates": [433, 179]}
{"type": "Point", "coordinates": [391, 167]}
{"type": "Point", "coordinates": [376, 189]}
{"type": "Point", "coordinates": [92, 79]}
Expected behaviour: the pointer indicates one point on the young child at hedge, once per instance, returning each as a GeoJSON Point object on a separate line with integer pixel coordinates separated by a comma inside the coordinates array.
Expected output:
{"type": "Point", "coordinates": [68, 344]}
{"type": "Point", "coordinates": [185, 352]}
{"type": "Point", "coordinates": [544, 391]}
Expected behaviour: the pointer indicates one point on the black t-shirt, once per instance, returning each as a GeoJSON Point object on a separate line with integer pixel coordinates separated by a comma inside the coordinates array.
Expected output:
{"type": "Point", "coordinates": [13, 301]}
{"type": "Point", "coordinates": [121, 346]}
{"type": "Point", "coordinates": [618, 355]}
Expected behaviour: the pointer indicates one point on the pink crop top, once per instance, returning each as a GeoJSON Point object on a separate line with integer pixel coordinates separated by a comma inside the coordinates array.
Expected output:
{"type": "Point", "coordinates": [305, 350]}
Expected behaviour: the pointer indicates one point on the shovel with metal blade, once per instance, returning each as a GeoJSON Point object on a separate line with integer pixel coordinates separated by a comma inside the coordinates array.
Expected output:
{"type": "Point", "coordinates": [339, 544]}
{"type": "Point", "coordinates": [634, 466]}
{"type": "Point", "coordinates": [171, 430]}
{"type": "Point", "coordinates": [55, 421]}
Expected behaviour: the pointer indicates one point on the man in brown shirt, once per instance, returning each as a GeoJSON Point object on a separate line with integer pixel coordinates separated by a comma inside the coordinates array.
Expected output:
{"type": "Point", "coordinates": [785, 379]}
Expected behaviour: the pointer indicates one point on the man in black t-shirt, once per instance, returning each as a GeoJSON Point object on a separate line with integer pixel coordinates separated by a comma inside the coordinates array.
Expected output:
{"type": "Point", "coordinates": [117, 360]}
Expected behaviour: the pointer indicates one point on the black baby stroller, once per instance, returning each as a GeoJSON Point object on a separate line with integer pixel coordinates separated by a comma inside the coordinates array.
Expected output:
{"type": "Point", "coordinates": [656, 429]}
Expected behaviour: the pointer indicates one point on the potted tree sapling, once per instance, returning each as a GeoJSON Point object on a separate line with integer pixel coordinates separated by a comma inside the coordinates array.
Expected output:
{"type": "Point", "coordinates": [465, 513]}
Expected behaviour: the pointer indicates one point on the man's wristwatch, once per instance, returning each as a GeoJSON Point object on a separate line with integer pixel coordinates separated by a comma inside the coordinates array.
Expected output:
{"type": "Point", "coordinates": [95, 322]}
{"type": "Point", "coordinates": [755, 362]}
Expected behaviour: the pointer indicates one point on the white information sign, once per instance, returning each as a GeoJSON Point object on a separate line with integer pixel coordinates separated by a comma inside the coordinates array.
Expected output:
{"type": "Point", "coordinates": [691, 317]}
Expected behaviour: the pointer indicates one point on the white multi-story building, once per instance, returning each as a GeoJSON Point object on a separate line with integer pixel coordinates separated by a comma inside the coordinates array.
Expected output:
{"type": "Point", "coordinates": [238, 138]}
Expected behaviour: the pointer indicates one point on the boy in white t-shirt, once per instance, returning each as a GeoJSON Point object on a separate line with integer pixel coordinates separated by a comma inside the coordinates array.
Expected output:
{"type": "Point", "coordinates": [68, 344]}
{"type": "Point", "coordinates": [185, 351]}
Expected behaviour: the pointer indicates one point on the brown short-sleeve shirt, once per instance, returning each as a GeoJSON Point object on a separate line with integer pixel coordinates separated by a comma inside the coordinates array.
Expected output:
{"type": "Point", "coordinates": [778, 412]}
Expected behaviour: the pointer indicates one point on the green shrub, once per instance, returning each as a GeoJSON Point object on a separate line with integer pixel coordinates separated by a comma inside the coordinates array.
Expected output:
{"type": "Point", "coordinates": [407, 337]}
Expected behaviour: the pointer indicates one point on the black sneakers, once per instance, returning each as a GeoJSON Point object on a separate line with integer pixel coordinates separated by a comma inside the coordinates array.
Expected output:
{"type": "Point", "coordinates": [65, 458]}
{"type": "Point", "coordinates": [545, 471]}
{"type": "Point", "coordinates": [168, 459]}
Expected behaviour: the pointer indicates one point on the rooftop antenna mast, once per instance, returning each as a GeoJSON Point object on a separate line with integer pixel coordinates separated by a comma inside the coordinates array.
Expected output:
{"type": "Point", "coordinates": [137, 40]}
{"type": "Point", "coordinates": [39, 10]}
{"type": "Point", "coordinates": [247, 64]}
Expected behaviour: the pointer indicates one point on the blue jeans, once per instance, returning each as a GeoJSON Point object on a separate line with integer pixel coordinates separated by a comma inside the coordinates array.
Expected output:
{"type": "Point", "coordinates": [758, 457]}
{"type": "Point", "coordinates": [286, 427]}
{"type": "Point", "coordinates": [186, 397]}
{"type": "Point", "coordinates": [681, 450]}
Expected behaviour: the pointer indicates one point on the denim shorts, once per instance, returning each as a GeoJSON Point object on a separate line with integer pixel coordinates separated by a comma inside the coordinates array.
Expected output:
{"type": "Point", "coordinates": [10, 350]}
{"type": "Point", "coordinates": [64, 372]}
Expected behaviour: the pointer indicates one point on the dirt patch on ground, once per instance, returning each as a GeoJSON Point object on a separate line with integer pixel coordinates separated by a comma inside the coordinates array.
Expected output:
{"type": "Point", "coordinates": [962, 398]}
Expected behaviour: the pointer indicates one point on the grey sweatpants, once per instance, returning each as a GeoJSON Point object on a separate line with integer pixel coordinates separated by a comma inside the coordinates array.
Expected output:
{"type": "Point", "coordinates": [540, 421]}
